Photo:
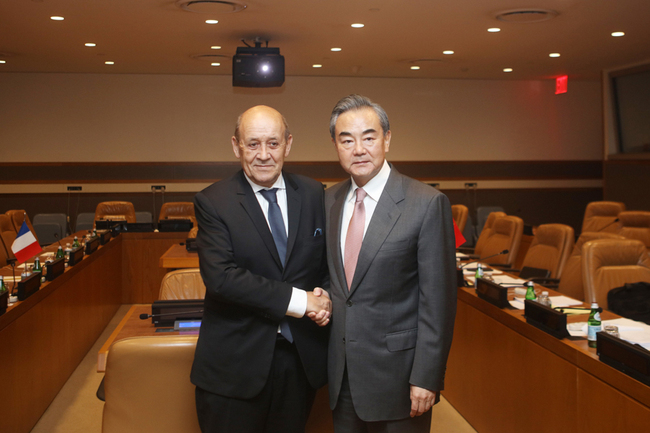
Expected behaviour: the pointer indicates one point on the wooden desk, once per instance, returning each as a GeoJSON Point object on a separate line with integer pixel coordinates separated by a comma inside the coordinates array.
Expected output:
{"type": "Point", "coordinates": [177, 257]}
{"type": "Point", "coordinates": [504, 376]}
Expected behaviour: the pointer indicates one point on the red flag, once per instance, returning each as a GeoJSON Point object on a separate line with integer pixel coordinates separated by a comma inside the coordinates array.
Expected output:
{"type": "Point", "coordinates": [25, 246]}
{"type": "Point", "coordinates": [460, 239]}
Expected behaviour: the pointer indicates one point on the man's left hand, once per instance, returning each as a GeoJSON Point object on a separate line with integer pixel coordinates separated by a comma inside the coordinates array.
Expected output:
{"type": "Point", "coordinates": [421, 400]}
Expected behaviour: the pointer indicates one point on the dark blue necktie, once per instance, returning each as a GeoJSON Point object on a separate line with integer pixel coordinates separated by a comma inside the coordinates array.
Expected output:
{"type": "Point", "coordinates": [277, 223]}
{"type": "Point", "coordinates": [280, 238]}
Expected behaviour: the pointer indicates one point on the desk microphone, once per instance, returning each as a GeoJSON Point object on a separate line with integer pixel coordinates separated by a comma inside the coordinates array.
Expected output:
{"type": "Point", "coordinates": [57, 239]}
{"type": "Point", "coordinates": [485, 258]}
{"type": "Point", "coordinates": [606, 225]}
{"type": "Point", "coordinates": [145, 316]}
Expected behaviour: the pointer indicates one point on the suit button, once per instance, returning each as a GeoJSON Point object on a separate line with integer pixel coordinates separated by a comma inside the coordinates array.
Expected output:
{"type": "Point", "coordinates": [349, 303]}
{"type": "Point", "coordinates": [343, 340]}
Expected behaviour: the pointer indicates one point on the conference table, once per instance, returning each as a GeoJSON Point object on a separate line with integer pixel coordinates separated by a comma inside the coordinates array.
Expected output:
{"type": "Point", "coordinates": [177, 257]}
{"type": "Point", "coordinates": [503, 374]}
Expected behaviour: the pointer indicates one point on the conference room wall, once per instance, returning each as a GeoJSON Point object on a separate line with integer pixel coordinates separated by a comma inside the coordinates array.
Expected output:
{"type": "Point", "coordinates": [123, 117]}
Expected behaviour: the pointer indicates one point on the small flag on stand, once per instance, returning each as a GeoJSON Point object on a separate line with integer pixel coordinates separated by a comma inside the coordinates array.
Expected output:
{"type": "Point", "coordinates": [460, 239]}
{"type": "Point", "coordinates": [25, 246]}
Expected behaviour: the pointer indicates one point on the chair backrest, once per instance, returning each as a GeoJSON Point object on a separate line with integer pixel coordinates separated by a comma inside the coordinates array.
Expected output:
{"type": "Point", "coordinates": [178, 210]}
{"type": "Point", "coordinates": [7, 235]}
{"type": "Point", "coordinates": [635, 224]}
{"type": "Point", "coordinates": [6, 225]}
{"type": "Point", "coordinates": [17, 216]}
{"type": "Point", "coordinates": [3, 254]}
{"type": "Point", "coordinates": [485, 233]}
{"type": "Point", "coordinates": [143, 217]}
{"type": "Point", "coordinates": [193, 232]}
{"type": "Point", "coordinates": [600, 216]}
{"type": "Point", "coordinates": [115, 210]}
{"type": "Point", "coordinates": [482, 214]}
{"type": "Point", "coordinates": [459, 212]}
{"type": "Point", "coordinates": [147, 386]}
{"type": "Point", "coordinates": [550, 248]}
{"type": "Point", "coordinates": [47, 224]}
{"type": "Point", "coordinates": [610, 263]}
{"type": "Point", "coordinates": [505, 234]}
{"type": "Point", "coordinates": [571, 280]}
{"type": "Point", "coordinates": [85, 221]}
{"type": "Point", "coordinates": [182, 284]}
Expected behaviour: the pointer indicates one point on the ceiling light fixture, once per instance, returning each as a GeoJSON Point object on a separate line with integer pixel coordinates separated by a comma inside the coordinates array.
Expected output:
{"type": "Point", "coordinates": [108, 62]}
{"type": "Point", "coordinates": [211, 21]}
{"type": "Point", "coordinates": [357, 25]}
{"type": "Point", "coordinates": [507, 69]}
{"type": "Point", "coordinates": [215, 64]}
{"type": "Point", "coordinates": [3, 61]}
{"type": "Point", "coordinates": [57, 18]}
{"type": "Point", "coordinates": [316, 66]}
{"type": "Point", "coordinates": [554, 55]}
{"type": "Point", "coordinates": [415, 68]}
{"type": "Point", "coordinates": [448, 52]}
{"type": "Point", "coordinates": [215, 47]}
{"type": "Point", "coordinates": [90, 44]}
{"type": "Point", "coordinates": [494, 30]}
{"type": "Point", "coordinates": [335, 49]}
{"type": "Point", "coordinates": [618, 34]}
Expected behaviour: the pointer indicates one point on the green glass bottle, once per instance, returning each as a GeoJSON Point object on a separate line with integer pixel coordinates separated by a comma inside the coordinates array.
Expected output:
{"type": "Point", "coordinates": [594, 324]}
{"type": "Point", "coordinates": [479, 273]}
{"type": "Point", "coordinates": [3, 288]}
{"type": "Point", "coordinates": [75, 243]}
{"type": "Point", "coordinates": [530, 291]}
{"type": "Point", "coordinates": [59, 253]}
{"type": "Point", "coordinates": [37, 265]}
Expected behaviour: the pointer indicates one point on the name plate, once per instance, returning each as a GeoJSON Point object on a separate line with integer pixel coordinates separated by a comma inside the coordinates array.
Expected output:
{"type": "Point", "coordinates": [104, 237]}
{"type": "Point", "coordinates": [4, 297]}
{"type": "Point", "coordinates": [28, 286]}
{"type": "Point", "coordinates": [175, 225]}
{"type": "Point", "coordinates": [631, 359]}
{"type": "Point", "coordinates": [167, 312]}
{"type": "Point", "coordinates": [190, 245]}
{"type": "Point", "coordinates": [76, 255]}
{"type": "Point", "coordinates": [92, 245]}
{"type": "Point", "coordinates": [108, 224]}
{"type": "Point", "coordinates": [54, 269]}
{"type": "Point", "coordinates": [545, 318]}
{"type": "Point", "coordinates": [492, 292]}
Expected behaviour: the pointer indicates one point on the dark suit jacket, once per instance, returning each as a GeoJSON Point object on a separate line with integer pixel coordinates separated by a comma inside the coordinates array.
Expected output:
{"type": "Point", "coordinates": [248, 291]}
{"type": "Point", "coordinates": [394, 327]}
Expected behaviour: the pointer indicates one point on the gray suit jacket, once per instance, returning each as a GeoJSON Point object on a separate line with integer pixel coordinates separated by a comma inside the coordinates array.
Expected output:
{"type": "Point", "coordinates": [394, 327]}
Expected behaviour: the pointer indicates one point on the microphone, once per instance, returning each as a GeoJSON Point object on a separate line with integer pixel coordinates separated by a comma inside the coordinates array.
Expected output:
{"type": "Point", "coordinates": [607, 225]}
{"type": "Point", "coordinates": [145, 316]}
{"type": "Point", "coordinates": [484, 258]}
{"type": "Point", "coordinates": [57, 239]}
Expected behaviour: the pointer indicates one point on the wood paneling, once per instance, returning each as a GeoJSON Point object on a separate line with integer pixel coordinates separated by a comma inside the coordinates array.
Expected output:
{"type": "Point", "coordinates": [627, 181]}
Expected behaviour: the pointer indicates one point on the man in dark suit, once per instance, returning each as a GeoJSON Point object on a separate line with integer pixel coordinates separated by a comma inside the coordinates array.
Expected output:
{"type": "Point", "coordinates": [259, 358]}
{"type": "Point", "coordinates": [390, 248]}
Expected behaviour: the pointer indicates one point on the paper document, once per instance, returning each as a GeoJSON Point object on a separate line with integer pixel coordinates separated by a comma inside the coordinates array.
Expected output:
{"type": "Point", "coordinates": [629, 330]}
{"type": "Point", "coordinates": [564, 301]}
{"type": "Point", "coordinates": [461, 255]}
{"type": "Point", "coordinates": [500, 279]}
{"type": "Point", "coordinates": [518, 303]}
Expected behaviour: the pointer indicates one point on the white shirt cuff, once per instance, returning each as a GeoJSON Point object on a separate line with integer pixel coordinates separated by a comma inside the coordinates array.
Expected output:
{"type": "Point", "coordinates": [298, 303]}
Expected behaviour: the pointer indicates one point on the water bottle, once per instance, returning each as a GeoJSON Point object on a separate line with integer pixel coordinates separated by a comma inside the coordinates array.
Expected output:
{"type": "Point", "coordinates": [544, 299]}
{"type": "Point", "coordinates": [594, 324]}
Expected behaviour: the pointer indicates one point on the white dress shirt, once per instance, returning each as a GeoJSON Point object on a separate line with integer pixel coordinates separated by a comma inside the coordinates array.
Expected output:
{"type": "Point", "coordinates": [298, 303]}
{"type": "Point", "coordinates": [373, 188]}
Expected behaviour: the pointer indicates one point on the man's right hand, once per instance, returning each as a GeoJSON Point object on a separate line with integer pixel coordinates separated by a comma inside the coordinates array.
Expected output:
{"type": "Point", "coordinates": [319, 306]}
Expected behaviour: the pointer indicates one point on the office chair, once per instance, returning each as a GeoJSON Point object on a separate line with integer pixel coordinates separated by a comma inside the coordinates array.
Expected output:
{"type": "Point", "coordinates": [182, 284]}
{"type": "Point", "coordinates": [477, 251]}
{"type": "Point", "coordinates": [600, 216]}
{"type": "Point", "coordinates": [460, 212]}
{"type": "Point", "coordinates": [85, 221]}
{"type": "Point", "coordinates": [116, 211]}
{"type": "Point", "coordinates": [505, 234]}
{"type": "Point", "coordinates": [549, 251]}
{"type": "Point", "coordinates": [17, 216]}
{"type": "Point", "coordinates": [635, 225]}
{"type": "Point", "coordinates": [50, 225]}
{"type": "Point", "coordinates": [178, 210]}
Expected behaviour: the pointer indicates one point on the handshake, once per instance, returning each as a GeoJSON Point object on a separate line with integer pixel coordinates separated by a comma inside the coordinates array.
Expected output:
{"type": "Point", "coordinates": [319, 306]}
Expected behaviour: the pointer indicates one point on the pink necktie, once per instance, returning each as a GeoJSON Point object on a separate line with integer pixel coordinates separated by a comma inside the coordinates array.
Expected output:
{"type": "Point", "coordinates": [354, 237]}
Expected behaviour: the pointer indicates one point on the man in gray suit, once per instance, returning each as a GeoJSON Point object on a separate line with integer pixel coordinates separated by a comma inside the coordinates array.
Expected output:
{"type": "Point", "coordinates": [390, 247]}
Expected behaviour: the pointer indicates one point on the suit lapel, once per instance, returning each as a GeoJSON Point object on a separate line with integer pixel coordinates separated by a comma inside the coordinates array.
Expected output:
{"type": "Point", "coordinates": [334, 244]}
{"type": "Point", "coordinates": [250, 204]}
{"type": "Point", "coordinates": [294, 206]}
{"type": "Point", "coordinates": [383, 220]}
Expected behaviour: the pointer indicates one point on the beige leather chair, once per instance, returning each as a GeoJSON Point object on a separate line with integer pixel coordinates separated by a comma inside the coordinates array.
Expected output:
{"type": "Point", "coordinates": [571, 281]}
{"type": "Point", "coordinates": [599, 214]}
{"type": "Point", "coordinates": [460, 212]}
{"type": "Point", "coordinates": [485, 233]}
{"type": "Point", "coordinates": [115, 210]}
{"type": "Point", "coordinates": [182, 284]}
{"type": "Point", "coordinates": [505, 234]}
{"type": "Point", "coordinates": [192, 233]}
{"type": "Point", "coordinates": [635, 224]}
{"type": "Point", "coordinates": [610, 263]}
{"type": "Point", "coordinates": [178, 210]}
{"type": "Point", "coordinates": [3, 254]}
{"type": "Point", "coordinates": [550, 248]}
{"type": "Point", "coordinates": [147, 386]}
{"type": "Point", "coordinates": [7, 234]}
{"type": "Point", "coordinates": [17, 216]}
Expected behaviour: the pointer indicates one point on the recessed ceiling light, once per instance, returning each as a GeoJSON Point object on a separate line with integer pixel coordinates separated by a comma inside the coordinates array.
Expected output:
{"type": "Point", "coordinates": [316, 66]}
{"type": "Point", "coordinates": [507, 69]}
{"type": "Point", "coordinates": [336, 49]}
{"type": "Point", "coordinates": [211, 21]}
{"type": "Point", "coordinates": [57, 18]}
{"type": "Point", "coordinates": [618, 34]}
{"type": "Point", "coordinates": [554, 55]}
{"type": "Point", "coordinates": [494, 30]}
{"type": "Point", "coordinates": [3, 61]}
{"type": "Point", "coordinates": [415, 68]}
{"type": "Point", "coordinates": [215, 47]}
{"type": "Point", "coordinates": [215, 64]}
{"type": "Point", "coordinates": [357, 25]}
{"type": "Point", "coordinates": [90, 44]}
{"type": "Point", "coordinates": [108, 62]}
{"type": "Point", "coordinates": [448, 52]}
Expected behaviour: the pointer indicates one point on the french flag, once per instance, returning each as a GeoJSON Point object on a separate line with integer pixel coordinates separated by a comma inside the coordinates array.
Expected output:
{"type": "Point", "coordinates": [460, 239]}
{"type": "Point", "coordinates": [25, 246]}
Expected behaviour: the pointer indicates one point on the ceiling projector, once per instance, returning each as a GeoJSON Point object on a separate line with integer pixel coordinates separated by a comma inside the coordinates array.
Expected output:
{"type": "Point", "coordinates": [257, 67]}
